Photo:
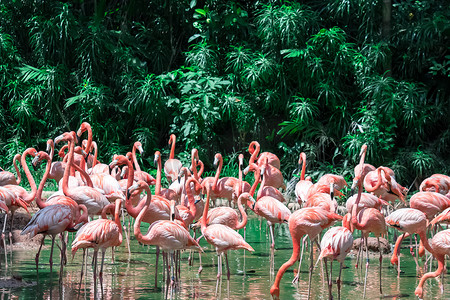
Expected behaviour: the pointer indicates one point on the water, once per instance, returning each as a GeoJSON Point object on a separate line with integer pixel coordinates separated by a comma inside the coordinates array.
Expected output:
{"type": "Point", "coordinates": [132, 277]}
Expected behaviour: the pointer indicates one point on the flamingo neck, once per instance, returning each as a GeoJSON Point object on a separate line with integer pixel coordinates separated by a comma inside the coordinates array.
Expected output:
{"type": "Point", "coordinates": [379, 182]}
{"type": "Point", "coordinates": [133, 154]}
{"type": "Point", "coordinates": [117, 215]}
{"type": "Point", "coordinates": [83, 174]}
{"type": "Point", "coordinates": [219, 169]}
{"type": "Point", "coordinates": [158, 177]}
{"type": "Point", "coordinates": [205, 210]}
{"type": "Point", "coordinates": [95, 155]}
{"type": "Point", "coordinates": [253, 149]}
{"type": "Point", "coordinates": [275, 289]}
{"type": "Point", "coordinates": [172, 148]}
{"type": "Point", "coordinates": [137, 223]}
{"type": "Point", "coordinates": [303, 158]}
{"type": "Point", "coordinates": [30, 197]}
{"type": "Point", "coordinates": [441, 267]}
{"type": "Point", "coordinates": [241, 209]}
{"type": "Point", "coordinates": [394, 258]}
{"type": "Point", "coordinates": [255, 184]}
{"type": "Point", "coordinates": [19, 177]}
{"type": "Point", "coordinates": [84, 216]}
{"type": "Point", "coordinates": [190, 196]}
{"type": "Point", "coordinates": [69, 156]}
{"type": "Point", "coordinates": [41, 204]}
{"type": "Point", "coordinates": [194, 165]}
{"type": "Point", "coordinates": [261, 188]}
{"type": "Point", "coordinates": [426, 244]}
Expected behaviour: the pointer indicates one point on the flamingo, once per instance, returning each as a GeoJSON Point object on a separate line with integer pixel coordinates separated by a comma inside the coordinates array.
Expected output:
{"type": "Point", "coordinates": [366, 168]}
{"type": "Point", "coordinates": [306, 221]}
{"type": "Point", "coordinates": [7, 177]}
{"type": "Point", "coordinates": [368, 220]}
{"type": "Point", "coordinates": [172, 166]}
{"type": "Point", "coordinates": [167, 235]}
{"type": "Point", "coordinates": [53, 220]}
{"type": "Point", "coordinates": [430, 203]}
{"type": "Point", "coordinates": [97, 167]}
{"type": "Point", "coordinates": [92, 198]}
{"type": "Point", "coordinates": [169, 194]}
{"type": "Point", "coordinates": [410, 221]}
{"type": "Point", "coordinates": [254, 149]}
{"type": "Point", "coordinates": [438, 183]}
{"type": "Point", "coordinates": [440, 245]}
{"type": "Point", "coordinates": [267, 190]}
{"type": "Point", "coordinates": [384, 185]}
{"type": "Point", "coordinates": [335, 245]}
{"type": "Point", "coordinates": [99, 234]}
{"type": "Point", "coordinates": [57, 167]}
{"type": "Point", "coordinates": [222, 238]}
{"type": "Point", "coordinates": [329, 184]}
{"type": "Point", "coordinates": [302, 187]}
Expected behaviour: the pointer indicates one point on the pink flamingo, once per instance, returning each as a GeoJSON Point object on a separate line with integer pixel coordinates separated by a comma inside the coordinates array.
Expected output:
{"type": "Point", "coordinates": [410, 221]}
{"type": "Point", "coordinates": [222, 238]}
{"type": "Point", "coordinates": [99, 234]}
{"type": "Point", "coordinates": [273, 211]}
{"type": "Point", "coordinates": [57, 167]}
{"type": "Point", "coordinates": [440, 245]}
{"type": "Point", "coordinates": [267, 190]}
{"type": "Point", "coordinates": [167, 235]}
{"type": "Point", "coordinates": [302, 187]}
{"type": "Point", "coordinates": [366, 168]}
{"type": "Point", "coordinates": [169, 194]}
{"type": "Point", "coordinates": [172, 166]}
{"type": "Point", "coordinates": [335, 245]}
{"type": "Point", "coordinates": [368, 220]}
{"type": "Point", "coordinates": [254, 149]}
{"type": "Point", "coordinates": [188, 214]}
{"type": "Point", "coordinates": [7, 177]}
{"type": "Point", "coordinates": [329, 184]}
{"type": "Point", "coordinates": [93, 199]}
{"type": "Point", "coordinates": [306, 221]}
{"type": "Point", "coordinates": [53, 220]}
{"type": "Point", "coordinates": [384, 185]}
{"type": "Point", "coordinates": [430, 203]}
{"type": "Point", "coordinates": [438, 183]}
{"type": "Point", "coordinates": [138, 173]}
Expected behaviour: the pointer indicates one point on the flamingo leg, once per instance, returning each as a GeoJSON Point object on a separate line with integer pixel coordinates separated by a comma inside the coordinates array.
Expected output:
{"type": "Point", "coordinates": [367, 267]}
{"type": "Point", "coordinates": [359, 253]}
{"type": "Point", "coordinates": [101, 268]}
{"type": "Point", "coordinates": [328, 277]}
{"type": "Point", "coordinates": [311, 267]}
{"type": "Point", "coordinates": [82, 264]}
{"type": "Point", "coordinates": [200, 268]}
{"type": "Point", "coordinates": [381, 262]}
{"type": "Point", "coordinates": [228, 268]}
{"type": "Point", "coordinates": [156, 266]}
{"type": "Point", "coordinates": [339, 281]}
{"type": "Point", "coordinates": [296, 278]}
{"type": "Point", "coordinates": [95, 266]}
{"type": "Point", "coordinates": [36, 259]}
{"type": "Point", "coordinates": [10, 232]}
{"type": "Point", "coordinates": [4, 239]}
{"type": "Point", "coordinates": [172, 269]}
{"type": "Point", "coordinates": [51, 253]}
{"type": "Point", "coordinates": [219, 265]}
{"type": "Point", "coordinates": [271, 235]}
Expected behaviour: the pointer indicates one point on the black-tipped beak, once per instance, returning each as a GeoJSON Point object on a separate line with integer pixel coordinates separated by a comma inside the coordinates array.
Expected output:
{"type": "Point", "coordinates": [352, 192]}
{"type": "Point", "coordinates": [35, 166]}
{"type": "Point", "coordinates": [155, 163]}
{"type": "Point", "coordinates": [128, 194]}
{"type": "Point", "coordinates": [197, 201]}
{"type": "Point", "coordinates": [173, 216]}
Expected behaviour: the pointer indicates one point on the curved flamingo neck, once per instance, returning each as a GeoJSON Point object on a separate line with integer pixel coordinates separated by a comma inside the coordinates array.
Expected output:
{"type": "Point", "coordinates": [379, 182]}
{"type": "Point", "coordinates": [261, 188]}
{"type": "Point", "coordinates": [89, 142]}
{"type": "Point", "coordinates": [83, 174]}
{"type": "Point", "coordinates": [253, 149]}
{"type": "Point", "coordinates": [394, 258]}
{"type": "Point", "coordinates": [202, 168]}
{"type": "Point", "coordinates": [241, 209]}
{"type": "Point", "coordinates": [84, 216]}
{"type": "Point", "coordinates": [441, 267]}
{"type": "Point", "coordinates": [133, 155]}
{"type": "Point", "coordinates": [117, 215]}
{"type": "Point", "coordinates": [30, 197]}
{"type": "Point", "coordinates": [172, 148]}
{"type": "Point", "coordinates": [303, 159]}
{"type": "Point", "coordinates": [275, 289]}
{"type": "Point", "coordinates": [69, 156]}
{"type": "Point", "coordinates": [41, 204]}
{"type": "Point", "coordinates": [190, 196]}
{"type": "Point", "coordinates": [15, 159]}
{"type": "Point", "coordinates": [255, 184]}
{"type": "Point", "coordinates": [137, 223]}
{"type": "Point", "coordinates": [62, 153]}
{"type": "Point", "coordinates": [424, 239]}
{"type": "Point", "coordinates": [52, 148]}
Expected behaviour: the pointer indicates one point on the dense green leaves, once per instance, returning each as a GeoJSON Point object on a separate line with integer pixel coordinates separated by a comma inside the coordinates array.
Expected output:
{"type": "Point", "coordinates": [322, 77]}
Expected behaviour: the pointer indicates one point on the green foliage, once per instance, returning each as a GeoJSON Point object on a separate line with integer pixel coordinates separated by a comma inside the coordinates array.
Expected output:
{"type": "Point", "coordinates": [322, 77]}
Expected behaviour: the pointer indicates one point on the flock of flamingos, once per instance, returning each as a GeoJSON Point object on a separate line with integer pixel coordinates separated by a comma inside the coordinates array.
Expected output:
{"type": "Point", "coordinates": [90, 190]}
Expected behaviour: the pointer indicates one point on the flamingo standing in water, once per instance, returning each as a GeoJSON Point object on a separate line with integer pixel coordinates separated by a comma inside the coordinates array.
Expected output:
{"type": "Point", "coordinates": [222, 238]}
{"type": "Point", "coordinates": [99, 234]}
{"type": "Point", "coordinates": [335, 245]}
{"type": "Point", "coordinates": [172, 166]}
{"type": "Point", "coordinates": [167, 235]}
{"type": "Point", "coordinates": [7, 177]}
{"type": "Point", "coordinates": [306, 221]}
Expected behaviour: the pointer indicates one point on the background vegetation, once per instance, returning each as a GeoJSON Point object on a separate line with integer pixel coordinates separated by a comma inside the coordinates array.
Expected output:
{"type": "Point", "coordinates": [322, 77]}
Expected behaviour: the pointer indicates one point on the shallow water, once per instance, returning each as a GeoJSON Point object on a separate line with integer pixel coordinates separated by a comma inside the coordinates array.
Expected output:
{"type": "Point", "coordinates": [132, 277]}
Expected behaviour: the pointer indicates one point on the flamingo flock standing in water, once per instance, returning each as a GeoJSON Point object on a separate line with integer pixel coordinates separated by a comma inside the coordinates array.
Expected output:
{"type": "Point", "coordinates": [90, 190]}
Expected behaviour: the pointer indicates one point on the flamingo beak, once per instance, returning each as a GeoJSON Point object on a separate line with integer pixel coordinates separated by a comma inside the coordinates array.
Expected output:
{"type": "Point", "coordinates": [113, 163]}
{"type": "Point", "coordinates": [246, 170]}
{"type": "Point", "coordinates": [59, 138]}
